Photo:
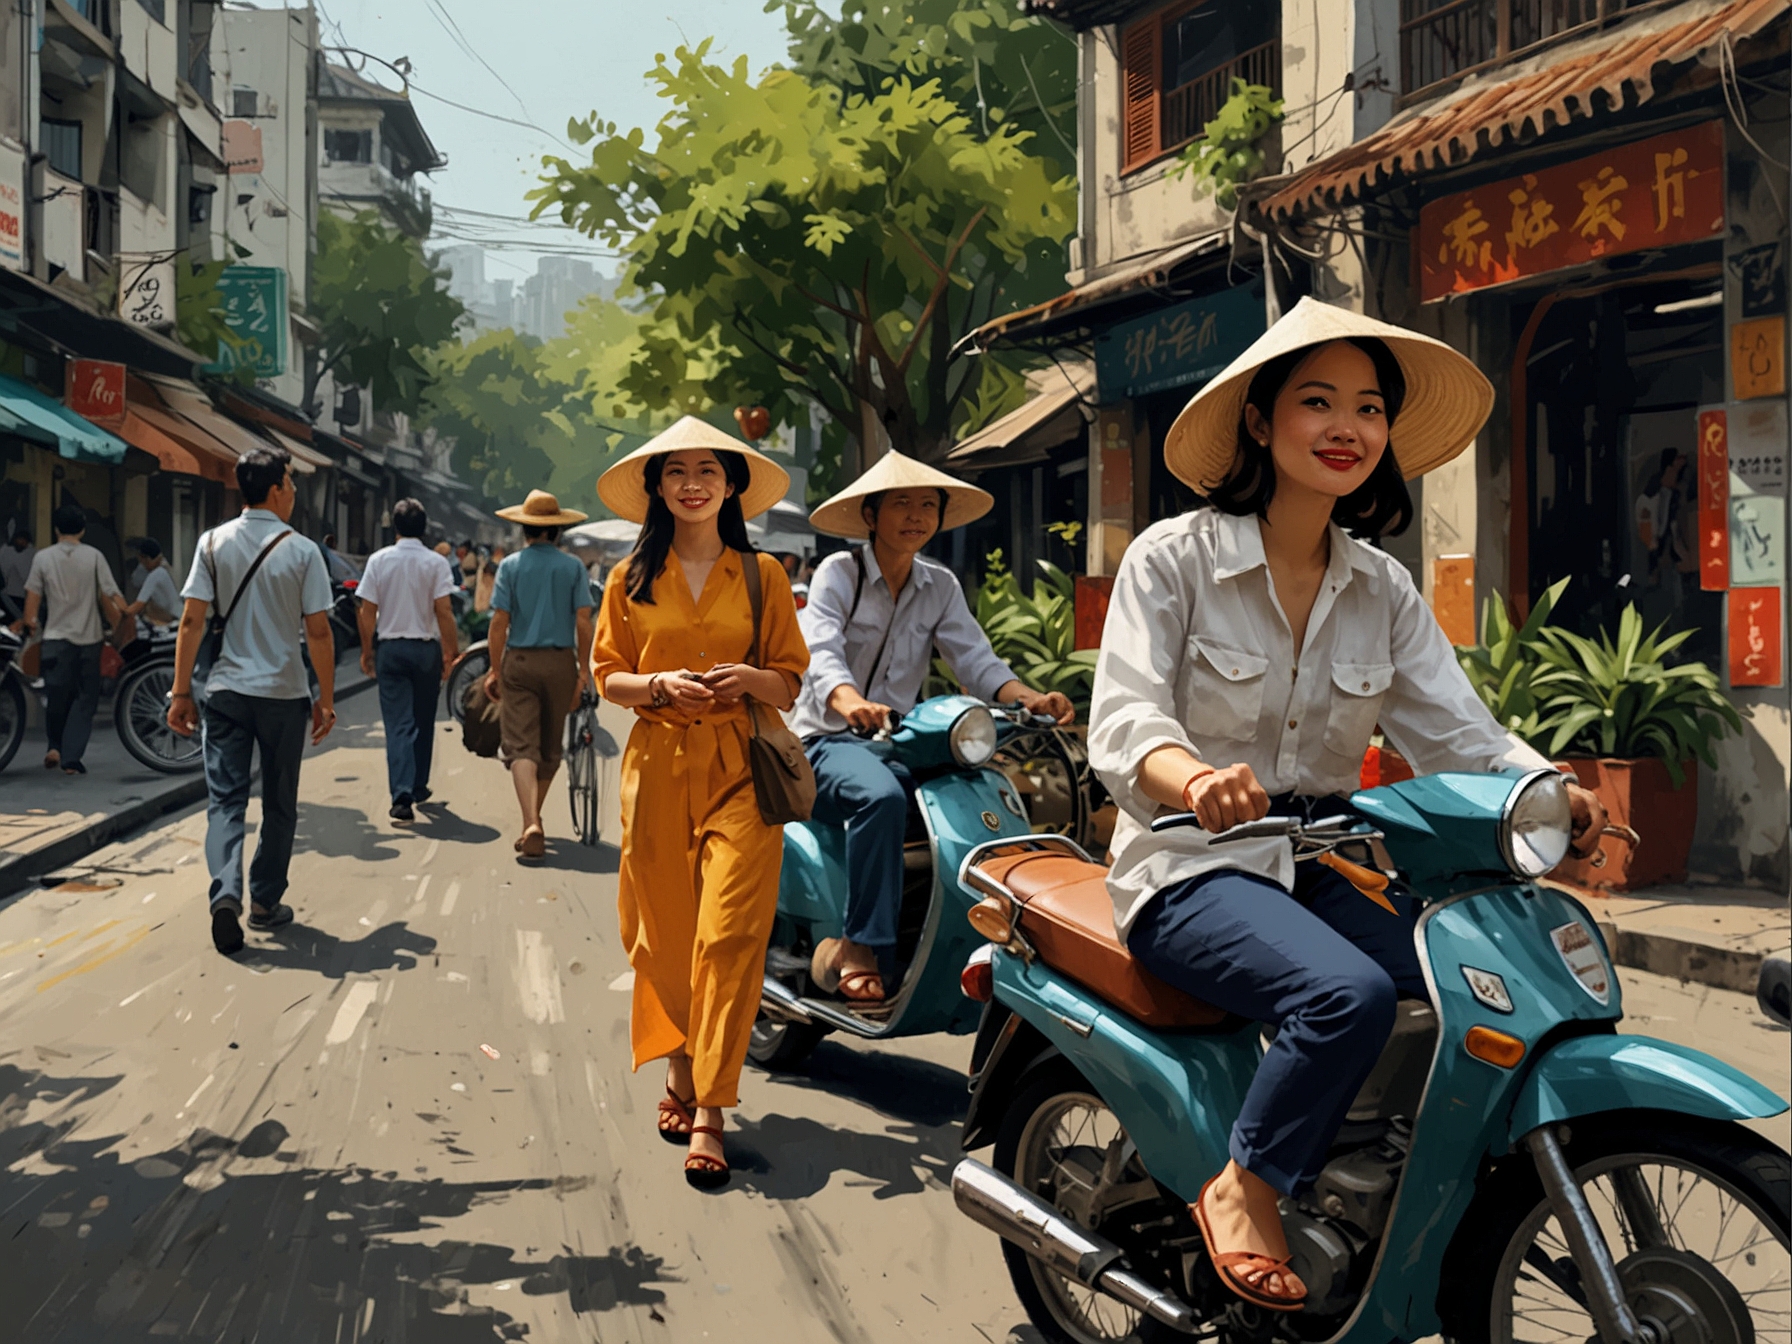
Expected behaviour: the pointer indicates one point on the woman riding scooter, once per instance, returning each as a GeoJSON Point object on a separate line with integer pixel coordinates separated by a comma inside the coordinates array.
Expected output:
{"type": "Point", "coordinates": [1251, 649]}
{"type": "Point", "coordinates": [873, 618]}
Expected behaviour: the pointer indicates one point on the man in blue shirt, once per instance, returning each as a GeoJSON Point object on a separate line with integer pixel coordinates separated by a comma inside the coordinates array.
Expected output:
{"type": "Point", "coordinates": [875, 614]}
{"type": "Point", "coordinates": [540, 642]}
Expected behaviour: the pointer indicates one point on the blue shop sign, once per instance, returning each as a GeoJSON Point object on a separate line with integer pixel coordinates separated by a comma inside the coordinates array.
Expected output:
{"type": "Point", "coordinates": [1178, 346]}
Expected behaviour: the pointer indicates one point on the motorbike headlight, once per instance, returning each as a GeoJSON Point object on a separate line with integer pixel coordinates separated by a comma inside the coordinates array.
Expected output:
{"type": "Point", "coordinates": [1537, 824]}
{"type": "Point", "coordinates": [973, 737]}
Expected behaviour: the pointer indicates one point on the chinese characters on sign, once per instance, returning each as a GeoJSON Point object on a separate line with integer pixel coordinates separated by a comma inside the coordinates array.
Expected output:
{"type": "Point", "coordinates": [1755, 636]}
{"type": "Point", "coordinates": [1714, 500]}
{"type": "Point", "coordinates": [254, 301]}
{"type": "Point", "coordinates": [1178, 346]}
{"type": "Point", "coordinates": [94, 389]}
{"type": "Point", "coordinates": [1758, 358]}
{"type": "Point", "coordinates": [1666, 189]}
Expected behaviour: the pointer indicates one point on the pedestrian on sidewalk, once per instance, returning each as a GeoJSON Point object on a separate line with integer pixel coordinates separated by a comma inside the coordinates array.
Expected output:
{"type": "Point", "coordinates": [15, 567]}
{"type": "Point", "coordinates": [268, 584]}
{"type": "Point", "coordinates": [693, 621]}
{"type": "Point", "coordinates": [408, 645]}
{"type": "Point", "coordinates": [77, 585]}
{"type": "Point", "coordinates": [540, 644]}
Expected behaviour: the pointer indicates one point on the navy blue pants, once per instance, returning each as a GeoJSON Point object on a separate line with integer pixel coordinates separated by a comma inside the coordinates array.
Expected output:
{"type": "Point", "coordinates": [1324, 966]}
{"type": "Point", "coordinates": [235, 726]}
{"type": "Point", "coordinates": [410, 678]}
{"type": "Point", "coordinates": [71, 674]}
{"type": "Point", "coordinates": [857, 789]}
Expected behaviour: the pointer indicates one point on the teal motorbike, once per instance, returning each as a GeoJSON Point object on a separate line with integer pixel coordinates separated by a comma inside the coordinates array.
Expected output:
{"type": "Point", "coordinates": [947, 744]}
{"type": "Point", "coordinates": [1513, 1170]}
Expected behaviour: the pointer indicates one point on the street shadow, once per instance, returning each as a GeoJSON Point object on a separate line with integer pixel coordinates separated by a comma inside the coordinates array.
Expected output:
{"type": "Point", "coordinates": [342, 833]}
{"type": "Point", "coordinates": [794, 1157]}
{"type": "Point", "coordinates": [895, 1086]}
{"type": "Point", "coordinates": [209, 1240]}
{"type": "Point", "coordinates": [299, 947]}
{"type": "Point", "coordinates": [568, 855]}
{"type": "Point", "coordinates": [440, 822]}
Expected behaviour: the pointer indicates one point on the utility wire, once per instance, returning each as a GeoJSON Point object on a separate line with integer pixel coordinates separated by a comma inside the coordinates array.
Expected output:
{"type": "Point", "coordinates": [453, 29]}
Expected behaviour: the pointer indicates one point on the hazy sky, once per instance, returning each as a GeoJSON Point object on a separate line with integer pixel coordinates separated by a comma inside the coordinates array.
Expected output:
{"type": "Point", "coordinates": [560, 58]}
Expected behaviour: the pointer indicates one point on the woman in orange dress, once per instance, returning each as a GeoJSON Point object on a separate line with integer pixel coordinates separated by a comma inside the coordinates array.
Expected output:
{"type": "Point", "coordinates": [699, 876]}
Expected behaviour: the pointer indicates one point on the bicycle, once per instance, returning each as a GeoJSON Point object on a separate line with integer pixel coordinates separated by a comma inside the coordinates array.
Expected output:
{"type": "Point", "coordinates": [584, 779]}
{"type": "Point", "coordinates": [471, 666]}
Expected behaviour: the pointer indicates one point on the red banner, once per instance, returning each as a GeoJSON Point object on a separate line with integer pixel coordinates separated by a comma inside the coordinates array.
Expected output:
{"type": "Point", "coordinates": [1714, 501]}
{"type": "Point", "coordinates": [1663, 190]}
{"type": "Point", "coordinates": [94, 388]}
{"type": "Point", "coordinates": [1755, 636]}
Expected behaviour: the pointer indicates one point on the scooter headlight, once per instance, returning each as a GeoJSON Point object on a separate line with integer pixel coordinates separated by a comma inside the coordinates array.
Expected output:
{"type": "Point", "coordinates": [1537, 824]}
{"type": "Point", "coordinates": [973, 737]}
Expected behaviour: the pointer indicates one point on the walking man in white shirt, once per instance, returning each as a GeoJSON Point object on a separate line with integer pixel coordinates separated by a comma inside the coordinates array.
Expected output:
{"type": "Point", "coordinates": [77, 584]}
{"type": "Point", "coordinates": [268, 584]}
{"type": "Point", "coordinates": [405, 602]}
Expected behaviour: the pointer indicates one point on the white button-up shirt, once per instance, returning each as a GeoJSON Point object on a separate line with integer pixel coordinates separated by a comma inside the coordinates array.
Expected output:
{"type": "Point", "coordinates": [403, 581]}
{"type": "Point", "coordinates": [263, 652]}
{"type": "Point", "coordinates": [1197, 654]}
{"type": "Point", "coordinates": [69, 578]}
{"type": "Point", "coordinates": [930, 610]}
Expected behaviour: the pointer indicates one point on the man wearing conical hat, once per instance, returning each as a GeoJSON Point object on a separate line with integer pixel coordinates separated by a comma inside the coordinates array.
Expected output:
{"type": "Point", "coordinates": [875, 614]}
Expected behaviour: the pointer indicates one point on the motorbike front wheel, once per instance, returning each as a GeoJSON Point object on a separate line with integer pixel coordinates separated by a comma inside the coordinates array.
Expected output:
{"type": "Point", "coordinates": [1694, 1212]}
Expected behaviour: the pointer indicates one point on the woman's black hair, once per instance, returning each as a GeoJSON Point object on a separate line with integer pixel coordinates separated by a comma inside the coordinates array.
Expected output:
{"type": "Point", "coordinates": [1380, 507]}
{"type": "Point", "coordinates": [648, 560]}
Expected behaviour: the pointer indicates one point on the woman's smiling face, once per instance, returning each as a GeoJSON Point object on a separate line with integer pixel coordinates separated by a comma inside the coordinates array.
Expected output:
{"type": "Point", "coordinates": [694, 485]}
{"type": "Point", "coordinates": [1330, 425]}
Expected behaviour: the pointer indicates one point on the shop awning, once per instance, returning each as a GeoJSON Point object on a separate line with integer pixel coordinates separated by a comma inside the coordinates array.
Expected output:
{"type": "Point", "coordinates": [1069, 308]}
{"type": "Point", "coordinates": [1519, 103]}
{"type": "Point", "coordinates": [1052, 417]}
{"type": "Point", "coordinates": [178, 444]}
{"type": "Point", "coordinates": [37, 415]}
{"type": "Point", "coordinates": [305, 458]}
{"type": "Point", "coordinates": [190, 402]}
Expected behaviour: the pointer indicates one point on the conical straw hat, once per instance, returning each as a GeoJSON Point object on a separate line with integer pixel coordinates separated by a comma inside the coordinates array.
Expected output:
{"type": "Point", "coordinates": [624, 490]}
{"type": "Point", "coordinates": [841, 516]}
{"type": "Point", "coordinates": [541, 509]}
{"type": "Point", "coordinates": [1447, 398]}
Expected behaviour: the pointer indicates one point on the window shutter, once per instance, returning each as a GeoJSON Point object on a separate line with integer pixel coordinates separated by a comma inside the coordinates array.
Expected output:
{"type": "Point", "coordinates": [1141, 80]}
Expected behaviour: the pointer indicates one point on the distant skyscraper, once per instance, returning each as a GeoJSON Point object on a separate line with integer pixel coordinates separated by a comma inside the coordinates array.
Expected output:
{"type": "Point", "coordinates": [537, 308]}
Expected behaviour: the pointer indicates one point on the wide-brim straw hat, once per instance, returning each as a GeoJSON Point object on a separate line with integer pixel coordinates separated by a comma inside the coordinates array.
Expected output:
{"type": "Point", "coordinates": [541, 509]}
{"type": "Point", "coordinates": [843, 516]}
{"type": "Point", "coordinates": [623, 488]}
{"type": "Point", "coordinates": [1447, 398]}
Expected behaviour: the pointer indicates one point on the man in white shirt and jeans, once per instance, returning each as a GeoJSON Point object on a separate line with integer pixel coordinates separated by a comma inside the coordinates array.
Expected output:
{"type": "Point", "coordinates": [269, 583]}
{"type": "Point", "coordinates": [405, 602]}
{"type": "Point", "coordinates": [76, 583]}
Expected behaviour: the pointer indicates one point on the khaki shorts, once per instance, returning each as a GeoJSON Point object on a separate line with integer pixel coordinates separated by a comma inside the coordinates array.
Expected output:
{"type": "Point", "coordinates": [537, 690]}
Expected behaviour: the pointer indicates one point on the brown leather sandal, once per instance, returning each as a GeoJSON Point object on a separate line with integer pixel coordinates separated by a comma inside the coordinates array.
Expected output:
{"type": "Point", "coordinates": [703, 1172]}
{"type": "Point", "coordinates": [674, 1111]}
{"type": "Point", "coordinates": [1253, 1267]}
{"type": "Point", "coordinates": [831, 978]}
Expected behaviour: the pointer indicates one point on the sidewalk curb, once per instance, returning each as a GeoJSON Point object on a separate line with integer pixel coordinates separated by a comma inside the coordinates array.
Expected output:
{"type": "Point", "coordinates": [1719, 967]}
{"type": "Point", "coordinates": [23, 870]}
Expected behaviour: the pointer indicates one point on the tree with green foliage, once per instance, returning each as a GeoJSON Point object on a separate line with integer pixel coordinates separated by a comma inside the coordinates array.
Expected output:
{"type": "Point", "coordinates": [805, 237]}
{"type": "Point", "coordinates": [381, 307]}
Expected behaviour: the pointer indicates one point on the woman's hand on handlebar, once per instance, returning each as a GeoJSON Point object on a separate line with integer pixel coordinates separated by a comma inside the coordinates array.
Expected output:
{"type": "Point", "coordinates": [1221, 799]}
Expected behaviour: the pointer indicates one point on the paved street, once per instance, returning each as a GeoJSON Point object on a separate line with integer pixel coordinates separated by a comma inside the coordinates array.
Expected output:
{"type": "Point", "coordinates": [410, 1117]}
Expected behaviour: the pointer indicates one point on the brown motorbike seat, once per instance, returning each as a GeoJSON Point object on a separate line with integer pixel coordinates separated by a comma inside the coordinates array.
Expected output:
{"type": "Point", "coordinates": [1068, 917]}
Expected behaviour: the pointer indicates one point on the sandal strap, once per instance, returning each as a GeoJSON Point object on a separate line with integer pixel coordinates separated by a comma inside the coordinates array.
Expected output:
{"type": "Point", "coordinates": [1264, 1264]}
{"type": "Point", "coordinates": [706, 1129]}
{"type": "Point", "coordinates": [701, 1162]}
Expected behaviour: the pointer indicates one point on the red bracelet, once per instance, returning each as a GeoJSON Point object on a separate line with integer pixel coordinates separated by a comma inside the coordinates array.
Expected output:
{"type": "Point", "coordinates": [1188, 806]}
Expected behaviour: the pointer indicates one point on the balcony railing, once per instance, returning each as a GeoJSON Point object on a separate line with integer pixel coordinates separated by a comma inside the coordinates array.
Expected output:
{"type": "Point", "coordinates": [1187, 110]}
{"type": "Point", "coordinates": [1441, 39]}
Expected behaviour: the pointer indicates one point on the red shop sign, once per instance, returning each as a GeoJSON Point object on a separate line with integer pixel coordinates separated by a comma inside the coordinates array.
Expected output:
{"type": "Point", "coordinates": [1663, 190]}
{"type": "Point", "coordinates": [1755, 636]}
{"type": "Point", "coordinates": [94, 388]}
{"type": "Point", "coordinates": [1714, 501]}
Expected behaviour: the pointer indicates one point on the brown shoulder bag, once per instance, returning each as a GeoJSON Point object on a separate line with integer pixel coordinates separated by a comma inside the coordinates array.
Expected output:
{"type": "Point", "coordinates": [782, 777]}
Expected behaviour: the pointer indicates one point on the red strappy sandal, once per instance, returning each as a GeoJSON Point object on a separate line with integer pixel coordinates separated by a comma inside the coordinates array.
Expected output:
{"type": "Point", "coordinates": [1253, 1267]}
{"type": "Point", "coordinates": [704, 1172]}
{"type": "Point", "coordinates": [675, 1110]}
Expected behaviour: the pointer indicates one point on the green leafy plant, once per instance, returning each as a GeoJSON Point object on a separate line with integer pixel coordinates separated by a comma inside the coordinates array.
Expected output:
{"type": "Point", "coordinates": [1034, 633]}
{"type": "Point", "coordinates": [1227, 154]}
{"type": "Point", "coordinates": [1610, 696]}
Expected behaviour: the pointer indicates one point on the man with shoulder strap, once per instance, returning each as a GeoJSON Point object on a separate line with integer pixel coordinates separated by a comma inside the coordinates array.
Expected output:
{"type": "Point", "coordinates": [267, 584]}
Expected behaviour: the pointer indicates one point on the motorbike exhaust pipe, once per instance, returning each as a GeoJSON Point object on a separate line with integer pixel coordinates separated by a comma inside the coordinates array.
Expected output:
{"type": "Point", "coordinates": [992, 1200]}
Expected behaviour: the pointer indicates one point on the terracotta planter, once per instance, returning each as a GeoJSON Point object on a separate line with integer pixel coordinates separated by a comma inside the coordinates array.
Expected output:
{"type": "Point", "coordinates": [1638, 794]}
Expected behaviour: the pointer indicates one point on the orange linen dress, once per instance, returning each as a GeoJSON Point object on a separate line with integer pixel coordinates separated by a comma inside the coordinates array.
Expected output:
{"type": "Point", "coordinates": [699, 874]}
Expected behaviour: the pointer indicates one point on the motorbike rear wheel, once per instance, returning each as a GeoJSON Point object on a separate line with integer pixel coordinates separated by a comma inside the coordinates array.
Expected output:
{"type": "Point", "coordinates": [140, 712]}
{"type": "Point", "coordinates": [12, 715]}
{"type": "Point", "coordinates": [1056, 1140]}
{"type": "Point", "coordinates": [1695, 1213]}
{"type": "Point", "coordinates": [782, 1046]}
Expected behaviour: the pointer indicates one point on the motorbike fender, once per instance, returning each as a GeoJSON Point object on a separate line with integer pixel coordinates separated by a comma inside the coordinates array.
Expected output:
{"type": "Point", "coordinates": [1590, 1074]}
{"type": "Point", "coordinates": [1017, 1049]}
{"type": "Point", "coordinates": [1176, 1093]}
{"type": "Point", "coordinates": [812, 882]}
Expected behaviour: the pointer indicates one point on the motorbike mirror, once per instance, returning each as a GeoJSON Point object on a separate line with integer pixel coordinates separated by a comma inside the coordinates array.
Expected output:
{"type": "Point", "coordinates": [1773, 989]}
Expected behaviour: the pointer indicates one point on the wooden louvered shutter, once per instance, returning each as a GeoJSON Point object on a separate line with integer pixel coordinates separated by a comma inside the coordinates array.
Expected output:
{"type": "Point", "coordinates": [1141, 81]}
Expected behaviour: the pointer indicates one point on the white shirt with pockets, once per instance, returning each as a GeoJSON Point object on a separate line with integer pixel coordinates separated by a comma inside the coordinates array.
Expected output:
{"type": "Point", "coordinates": [404, 580]}
{"type": "Point", "coordinates": [1196, 653]}
{"type": "Point", "coordinates": [265, 635]}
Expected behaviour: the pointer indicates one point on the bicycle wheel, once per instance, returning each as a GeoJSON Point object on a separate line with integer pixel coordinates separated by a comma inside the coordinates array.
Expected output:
{"type": "Point", "coordinates": [582, 780]}
{"type": "Point", "coordinates": [468, 668]}
{"type": "Point", "coordinates": [140, 711]}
